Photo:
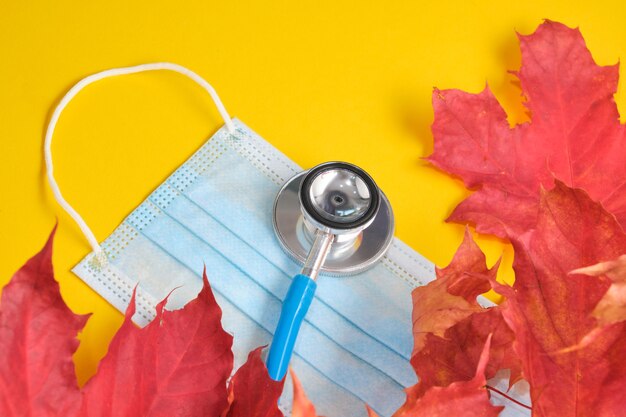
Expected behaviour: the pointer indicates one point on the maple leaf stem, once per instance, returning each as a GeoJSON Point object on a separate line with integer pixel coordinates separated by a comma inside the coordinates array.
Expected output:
{"type": "Point", "coordinates": [489, 387]}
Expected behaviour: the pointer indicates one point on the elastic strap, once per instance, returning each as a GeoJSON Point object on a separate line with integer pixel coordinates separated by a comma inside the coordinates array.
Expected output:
{"type": "Point", "coordinates": [156, 66]}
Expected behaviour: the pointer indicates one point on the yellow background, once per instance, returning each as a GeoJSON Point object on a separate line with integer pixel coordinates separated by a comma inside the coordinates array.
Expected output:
{"type": "Point", "coordinates": [320, 80]}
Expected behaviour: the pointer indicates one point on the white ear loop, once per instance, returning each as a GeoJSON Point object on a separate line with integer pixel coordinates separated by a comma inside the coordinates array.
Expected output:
{"type": "Point", "coordinates": [92, 79]}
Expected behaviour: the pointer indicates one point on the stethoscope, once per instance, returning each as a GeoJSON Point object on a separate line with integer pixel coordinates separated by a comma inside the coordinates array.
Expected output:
{"type": "Point", "coordinates": [335, 220]}
{"type": "Point", "coordinates": [332, 219]}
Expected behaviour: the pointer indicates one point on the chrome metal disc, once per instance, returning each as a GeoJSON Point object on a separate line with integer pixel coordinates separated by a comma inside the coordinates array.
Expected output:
{"type": "Point", "coordinates": [345, 258]}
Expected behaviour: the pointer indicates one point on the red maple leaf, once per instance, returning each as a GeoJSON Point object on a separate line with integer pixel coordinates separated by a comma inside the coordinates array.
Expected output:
{"type": "Point", "coordinates": [550, 311]}
{"type": "Point", "coordinates": [574, 136]}
{"type": "Point", "coordinates": [37, 341]}
{"type": "Point", "coordinates": [177, 365]}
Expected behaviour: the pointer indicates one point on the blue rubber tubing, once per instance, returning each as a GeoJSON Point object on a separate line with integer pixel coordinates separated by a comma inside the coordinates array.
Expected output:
{"type": "Point", "coordinates": [295, 307]}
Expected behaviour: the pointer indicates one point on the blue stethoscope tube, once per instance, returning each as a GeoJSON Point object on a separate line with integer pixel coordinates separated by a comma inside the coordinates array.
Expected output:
{"type": "Point", "coordinates": [295, 307]}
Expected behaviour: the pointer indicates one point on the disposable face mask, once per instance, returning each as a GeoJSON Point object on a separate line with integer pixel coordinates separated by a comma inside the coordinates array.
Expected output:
{"type": "Point", "coordinates": [216, 211]}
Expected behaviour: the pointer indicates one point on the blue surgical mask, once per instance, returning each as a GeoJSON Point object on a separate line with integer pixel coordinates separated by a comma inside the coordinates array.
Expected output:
{"type": "Point", "coordinates": [216, 211]}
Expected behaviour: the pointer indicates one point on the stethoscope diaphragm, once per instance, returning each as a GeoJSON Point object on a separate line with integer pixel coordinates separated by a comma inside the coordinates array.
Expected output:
{"type": "Point", "coordinates": [342, 199]}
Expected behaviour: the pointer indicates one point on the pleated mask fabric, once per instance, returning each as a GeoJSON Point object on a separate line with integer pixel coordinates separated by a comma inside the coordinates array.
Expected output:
{"type": "Point", "coordinates": [216, 211]}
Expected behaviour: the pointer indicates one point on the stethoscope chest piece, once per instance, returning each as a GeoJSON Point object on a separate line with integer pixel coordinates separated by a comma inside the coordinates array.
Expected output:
{"type": "Point", "coordinates": [332, 219]}
{"type": "Point", "coordinates": [340, 199]}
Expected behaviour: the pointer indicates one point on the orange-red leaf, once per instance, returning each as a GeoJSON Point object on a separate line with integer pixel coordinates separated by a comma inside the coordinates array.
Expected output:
{"type": "Point", "coordinates": [451, 328]}
{"type": "Point", "coordinates": [37, 340]}
{"type": "Point", "coordinates": [454, 357]}
{"type": "Point", "coordinates": [370, 412]}
{"type": "Point", "coordinates": [302, 407]}
{"type": "Point", "coordinates": [464, 398]}
{"type": "Point", "coordinates": [452, 296]}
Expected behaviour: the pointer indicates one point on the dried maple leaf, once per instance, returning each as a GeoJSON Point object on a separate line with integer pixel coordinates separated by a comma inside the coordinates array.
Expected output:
{"type": "Point", "coordinates": [255, 394]}
{"type": "Point", "coordinates": [449, 343]}
{"type": "Point", "coordinates": [175, 366]}
{"type": "Point", "coordinates": [550, 311]}
{"type": "Point", "coordinates": [612, 307]}
{"type": "Point", "coordinates": [574, 135]}
{"type": "Point", "coordinates": [454, 357]}
{"type": "Point", "coordinates": [462, 398]}
{"type": "Point", "coordinates": [451, 298]}
{"type": "Point", "coordinates": [37, 340]}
